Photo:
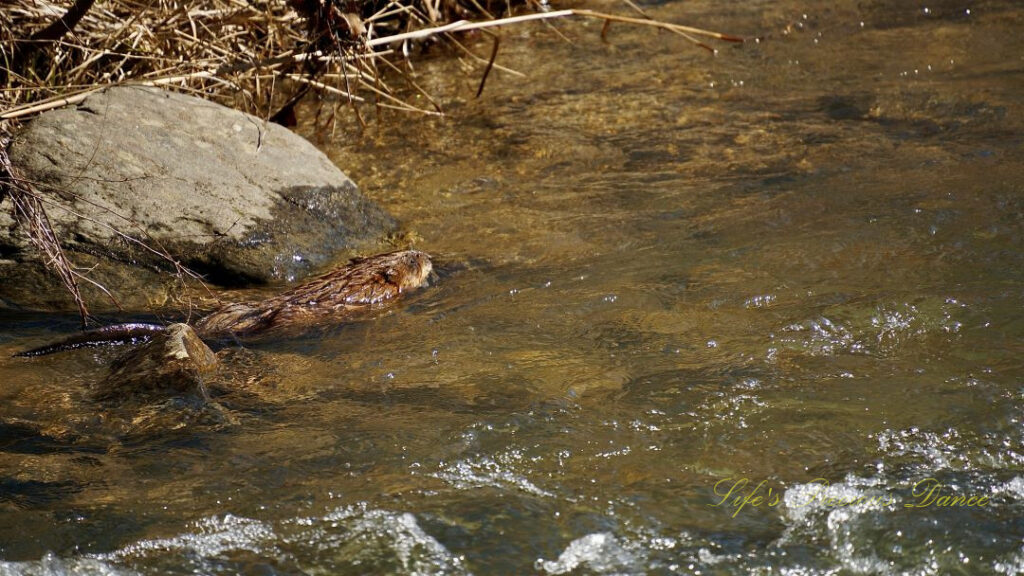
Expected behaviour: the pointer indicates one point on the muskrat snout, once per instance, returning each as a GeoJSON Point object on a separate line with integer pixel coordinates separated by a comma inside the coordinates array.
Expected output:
{"type": "Point", "coordinates": [417, 270]}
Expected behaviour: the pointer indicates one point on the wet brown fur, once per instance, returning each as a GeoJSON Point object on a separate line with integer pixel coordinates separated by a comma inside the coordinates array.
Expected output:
{"type": "Point", "coordinates": [331, 298]}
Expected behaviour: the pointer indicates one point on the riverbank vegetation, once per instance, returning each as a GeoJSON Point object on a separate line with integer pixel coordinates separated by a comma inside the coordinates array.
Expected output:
{"type": "Point", "coordinates": [260, 56]}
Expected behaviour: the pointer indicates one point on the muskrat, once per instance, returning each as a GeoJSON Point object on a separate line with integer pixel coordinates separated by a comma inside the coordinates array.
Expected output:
{"type": "Point", "coordinates": [332, 297]}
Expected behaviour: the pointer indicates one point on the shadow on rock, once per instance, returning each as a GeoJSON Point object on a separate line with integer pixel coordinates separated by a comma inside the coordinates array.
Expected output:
{"type": "Point", "coordinates": [242, 200]}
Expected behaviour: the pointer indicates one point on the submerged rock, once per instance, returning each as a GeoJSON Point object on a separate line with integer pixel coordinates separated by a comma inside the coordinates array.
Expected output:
{"type": "Point", "coordinates": [237, 199]}
{"type": "Point", "coordinates": [174, 362]}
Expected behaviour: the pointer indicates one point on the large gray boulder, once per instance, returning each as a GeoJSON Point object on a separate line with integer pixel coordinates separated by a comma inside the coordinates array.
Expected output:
{"type": "Point", "coordinates": [237, 199]}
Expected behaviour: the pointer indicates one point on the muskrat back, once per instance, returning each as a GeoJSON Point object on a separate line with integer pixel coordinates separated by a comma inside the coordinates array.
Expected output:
{"type": "Point", "coordinates": [332, 297]}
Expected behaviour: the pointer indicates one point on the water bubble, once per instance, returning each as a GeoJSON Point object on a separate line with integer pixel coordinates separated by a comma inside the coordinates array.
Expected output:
{"type": "Point", "coordinates": [750, 383]}
{"type": "Point", "coordinates": [761, 301]}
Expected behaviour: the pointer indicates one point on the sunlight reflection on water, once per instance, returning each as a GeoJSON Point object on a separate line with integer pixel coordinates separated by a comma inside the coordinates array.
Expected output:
{"type": "Point", "coordinates": [798, 259]}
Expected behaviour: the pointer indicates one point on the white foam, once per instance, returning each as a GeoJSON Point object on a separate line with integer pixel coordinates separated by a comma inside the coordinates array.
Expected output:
{"type": "Point", "coordinates": [51, 565]}
{"type": "Point", "coordinates": [936, 451]}
{"type": "Point", "coordinates": [600, 552]}
{"type": "Point", "coordinates": [488, 472]}
{"type": "Point", "coordinates": [1013, 488]}
{"type": "Point", "coordinates": [211, 537]}
{"type": "Point", "coordinates": [344, 537]}
{"type": "Point", "coordinates": [1012, 566]}
{"type": "Point", "coordinates": [358, 530]}
{"type": "Point", "coordinates": [841, 506]}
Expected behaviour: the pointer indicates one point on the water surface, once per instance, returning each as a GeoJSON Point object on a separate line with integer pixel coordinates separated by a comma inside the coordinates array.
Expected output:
{"type": "Point", "coordinates": [673, 280]}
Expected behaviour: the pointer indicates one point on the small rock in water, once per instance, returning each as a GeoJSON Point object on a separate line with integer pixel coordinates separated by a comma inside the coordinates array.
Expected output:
{"type": "Point", "coordinates": [172, 363]}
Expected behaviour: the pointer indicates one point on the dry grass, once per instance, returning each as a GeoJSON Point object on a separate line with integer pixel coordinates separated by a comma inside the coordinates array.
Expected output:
{"type": "Point", "coordinates": [261, 56]}
{"type": "Point", "coordinates": [255, 56]}
{"type": "Point", "coordinates": [232, 51]}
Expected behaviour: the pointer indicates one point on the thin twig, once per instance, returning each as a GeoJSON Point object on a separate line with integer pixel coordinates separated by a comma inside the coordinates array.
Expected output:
{"type": "Point", "coordinates": [490, 64]}
{"type": "Point", "coordinates": [464, 26]}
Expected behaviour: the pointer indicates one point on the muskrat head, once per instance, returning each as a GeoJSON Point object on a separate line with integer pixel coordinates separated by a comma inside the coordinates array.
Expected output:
{"type": "Point", "coordinates": [409, 269]}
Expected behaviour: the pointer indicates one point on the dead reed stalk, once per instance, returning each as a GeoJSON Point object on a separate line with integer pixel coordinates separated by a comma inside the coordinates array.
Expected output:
{"type": "Point", "coordinates": [260, 57]}
{"type": "Point", "coordinates": [30, 214]}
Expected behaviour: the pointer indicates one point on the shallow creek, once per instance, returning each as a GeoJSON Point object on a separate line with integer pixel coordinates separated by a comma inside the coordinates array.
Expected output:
{"type": "Point", "coordinates": [751, 313]}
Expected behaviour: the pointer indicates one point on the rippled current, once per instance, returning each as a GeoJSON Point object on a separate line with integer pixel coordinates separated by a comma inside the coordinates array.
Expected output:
{"type": "Point", "coordinates": [751, 313]}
